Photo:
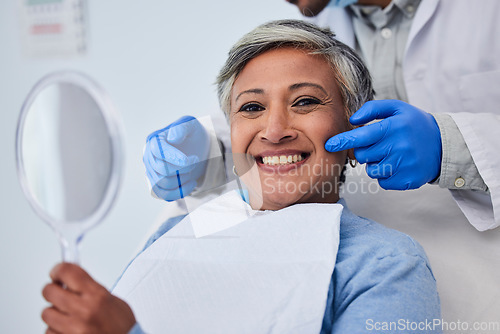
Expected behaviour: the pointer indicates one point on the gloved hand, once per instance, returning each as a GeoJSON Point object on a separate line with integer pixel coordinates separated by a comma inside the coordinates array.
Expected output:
{"type": "Point", "coordinates": [175, 157]}
{"type": "Point", "coordinates": [403, 150]}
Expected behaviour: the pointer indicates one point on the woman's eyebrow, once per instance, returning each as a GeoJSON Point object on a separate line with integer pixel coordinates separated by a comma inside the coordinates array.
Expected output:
{"type": "Point", "coordinates": [306, 84]}
{"type": "Point", "coordinates": [250, 91]}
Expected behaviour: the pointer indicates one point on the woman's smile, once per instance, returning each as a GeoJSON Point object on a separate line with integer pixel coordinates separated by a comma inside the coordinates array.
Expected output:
{"type": "Point", "coordinates": [281, 161]}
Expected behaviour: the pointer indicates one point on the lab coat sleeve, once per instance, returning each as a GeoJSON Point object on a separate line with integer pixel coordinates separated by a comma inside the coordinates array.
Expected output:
{"type": "Point", "coordinates": [456, 161]}
{"type": "Point", "coordinates": [480, 132]}
{"type": "Point", "coordinates": [398, 291]}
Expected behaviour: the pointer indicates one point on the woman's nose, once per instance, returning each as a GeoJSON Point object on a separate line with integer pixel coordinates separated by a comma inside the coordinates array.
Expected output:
{"type": "Point", "coordinates": [278, 127]}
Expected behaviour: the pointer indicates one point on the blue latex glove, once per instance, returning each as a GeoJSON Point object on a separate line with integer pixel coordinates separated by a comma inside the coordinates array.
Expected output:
{"type": "Point", "coordinates": [175, 157]}
{"type": "Point", "coordinates": [402, 151]}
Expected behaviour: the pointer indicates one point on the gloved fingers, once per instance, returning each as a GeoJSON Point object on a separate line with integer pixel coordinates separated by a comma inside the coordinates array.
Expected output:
{"type": "Point", "coordinates": [359, 137]}
{"type": "Point", "coordinates": [166, 182]}
{"type": "Point", "coordinates": [379, 170]}
{"type": "Point", "coordinates": [182, 128]}
{"type": "Point", "coordinates": [161, 184]}
{"type": "Point", "coordinates": [396, 183]}
{"type": "Point", "coordinates": [159, 168]}
{"type": "Point", "coordinates": [372, 110]}
{"type": "Point", "coordinates": [172, 182]}
{"type": "Point", "coordinates": [161, 150]}
{"type": "Point", "coordinates": [371, 154]}
{"type": "Point", "coordinates": [173, 195]}
{"type": "Point", "coordinates": [176, 134]}
{"type": "Point", "coordinates": [162, 133]}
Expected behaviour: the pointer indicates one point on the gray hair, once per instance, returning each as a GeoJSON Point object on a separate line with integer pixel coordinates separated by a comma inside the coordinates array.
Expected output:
{"type": "Point", "coordinates": [351, 74]}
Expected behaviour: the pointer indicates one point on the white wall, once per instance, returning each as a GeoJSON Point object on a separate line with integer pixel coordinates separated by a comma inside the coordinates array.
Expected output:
{"type": "Point", "coordinates": [157, 60]}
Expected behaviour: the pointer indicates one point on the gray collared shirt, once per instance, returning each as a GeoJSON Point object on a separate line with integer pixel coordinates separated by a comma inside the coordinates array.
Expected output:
{"type": "Point", "coordinates": [381, 36]}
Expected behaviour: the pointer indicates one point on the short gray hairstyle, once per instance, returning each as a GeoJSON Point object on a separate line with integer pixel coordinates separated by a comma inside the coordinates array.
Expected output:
{"type": "Point", "coordinates": [351, 74]}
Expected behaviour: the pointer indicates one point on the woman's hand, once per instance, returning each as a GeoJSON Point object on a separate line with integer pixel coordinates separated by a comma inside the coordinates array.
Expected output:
{"type": "Point", "coordinates": [83, 305]}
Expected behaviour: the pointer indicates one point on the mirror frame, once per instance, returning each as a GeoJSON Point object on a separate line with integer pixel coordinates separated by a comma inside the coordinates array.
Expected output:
{"type": "Point", "coordinates": [115, 131]}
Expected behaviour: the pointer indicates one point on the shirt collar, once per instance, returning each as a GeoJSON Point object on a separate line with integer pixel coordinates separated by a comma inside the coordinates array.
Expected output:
{"type": "Point", "coordinates": [408, 7]}
{"type": "Point", "coordinates": [381, 17]}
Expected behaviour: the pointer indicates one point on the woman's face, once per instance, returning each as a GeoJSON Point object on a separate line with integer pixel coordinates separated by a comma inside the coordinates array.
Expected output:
{"type": "Point", "coordinates": [285, 104]}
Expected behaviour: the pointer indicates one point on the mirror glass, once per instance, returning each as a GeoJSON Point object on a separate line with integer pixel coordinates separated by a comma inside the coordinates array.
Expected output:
{"type": "Point", "coordinates": [69, 155]}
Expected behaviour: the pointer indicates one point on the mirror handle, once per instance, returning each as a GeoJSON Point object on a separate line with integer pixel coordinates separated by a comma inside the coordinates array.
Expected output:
{"type": "Point", "coordinates": [70, 246]}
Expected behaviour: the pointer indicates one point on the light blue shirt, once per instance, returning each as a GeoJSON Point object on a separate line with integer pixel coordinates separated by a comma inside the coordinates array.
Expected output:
{"type": "Point", "coordinates": [382, 279]}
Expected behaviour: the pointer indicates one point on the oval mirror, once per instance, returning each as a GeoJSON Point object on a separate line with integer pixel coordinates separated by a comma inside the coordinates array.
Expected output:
{"type": "Point", "coordinates": [69, 157]}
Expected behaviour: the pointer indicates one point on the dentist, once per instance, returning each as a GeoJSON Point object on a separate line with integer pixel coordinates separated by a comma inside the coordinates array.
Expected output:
{"type": "Point", "coordinates": [436, 72]}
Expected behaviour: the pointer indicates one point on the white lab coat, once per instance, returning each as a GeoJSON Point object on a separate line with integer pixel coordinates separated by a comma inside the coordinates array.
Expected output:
{"type": "Point", "coordinates": [452, 65]}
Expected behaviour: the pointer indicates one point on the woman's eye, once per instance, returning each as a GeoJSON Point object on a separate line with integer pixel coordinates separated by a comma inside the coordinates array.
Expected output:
{"type": "Point", "coordinates": [251, 107]}
{"type": "Point", "coordinates": [306, 102]}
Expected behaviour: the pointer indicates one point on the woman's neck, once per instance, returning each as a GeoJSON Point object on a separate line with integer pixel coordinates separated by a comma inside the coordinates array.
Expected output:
{"type": "Point", "coordinates": [258, 203]}
{"type": "Point", "coordinates": [381, 3]}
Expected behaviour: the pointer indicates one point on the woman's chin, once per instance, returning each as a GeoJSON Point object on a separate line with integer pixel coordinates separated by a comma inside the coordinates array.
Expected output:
{"type": "Point", "coordinates": [280, 201]}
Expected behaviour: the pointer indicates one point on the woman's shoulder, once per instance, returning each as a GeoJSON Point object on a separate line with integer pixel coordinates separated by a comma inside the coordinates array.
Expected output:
{"type": "Point", "coordinates": [380, 274]}
{"type": "Point", "coordinates": [363, 236]}
{"type": "Point", "coordinates": [371, 253]}
{"type": "Point", "coordinates": [164, 228]}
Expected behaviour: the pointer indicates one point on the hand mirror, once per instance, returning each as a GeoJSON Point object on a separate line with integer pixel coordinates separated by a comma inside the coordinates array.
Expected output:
{"type": "Point", "coordinates": [69, 158]}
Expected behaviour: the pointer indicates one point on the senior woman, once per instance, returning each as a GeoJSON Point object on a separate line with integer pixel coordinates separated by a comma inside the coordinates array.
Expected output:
{"type": "Point", "coordinates": [286, 88]}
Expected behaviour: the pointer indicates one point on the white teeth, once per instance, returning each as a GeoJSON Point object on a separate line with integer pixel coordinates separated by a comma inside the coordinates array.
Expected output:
{"type": "Point", "coordinates": [282, 159]}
